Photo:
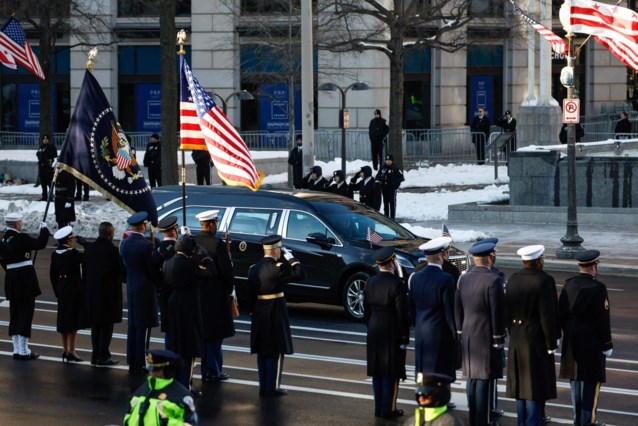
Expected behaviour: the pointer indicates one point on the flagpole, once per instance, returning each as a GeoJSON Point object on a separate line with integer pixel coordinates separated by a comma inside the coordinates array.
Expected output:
{"type": "Point", "coordinates": [181, 39]}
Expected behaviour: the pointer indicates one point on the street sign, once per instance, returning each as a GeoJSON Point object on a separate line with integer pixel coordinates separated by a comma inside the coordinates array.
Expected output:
{"type": "Point", "coordinates": [571, 110]}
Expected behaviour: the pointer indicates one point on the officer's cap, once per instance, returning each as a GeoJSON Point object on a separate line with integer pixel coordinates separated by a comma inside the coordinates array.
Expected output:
{"type": "Point", "coordinates": [63, 233]}
{"type": "Point", "coordinates": [531, 252]}
{"type": "Point", "coordinates": [207, 215]}
{"type": "Point", "coordinates": [389, 157]}
{"type": "Point", "coordinates": [436, 245]}
{"type": "Point", "coordinates": [13, 217]}
{"type": "Point", "coordinates": [492, 240]}
{"type": "Point", "coordinates": [159, 358]}
{"type": "Point", "coordinates": [167, 223]}
{"type": "Point", "coordinates": [587, 257]}
{"type": "Point", "coordinates": [271, 241]}
{"type": "Point", "coordinates": [383, 255]}
{"type": "Point", "coordinates": [482, 250]}
{"type": "Point", "coordinates": [137, 218]}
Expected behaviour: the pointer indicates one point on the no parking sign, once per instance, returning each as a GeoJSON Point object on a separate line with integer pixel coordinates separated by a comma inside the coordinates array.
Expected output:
{"type": "Point", "coordinates": [571, 110]}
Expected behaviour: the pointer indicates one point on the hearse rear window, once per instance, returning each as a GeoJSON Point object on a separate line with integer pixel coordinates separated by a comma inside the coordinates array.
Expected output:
{"type": "Point", "coordinates": [255, 221]}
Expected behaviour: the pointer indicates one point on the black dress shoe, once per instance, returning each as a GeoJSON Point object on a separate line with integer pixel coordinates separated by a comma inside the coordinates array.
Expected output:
{"type": "Point", "coordinates": [220, 376]}
{"type": "Point", "coordinates": [498, 412]}
{"type": "Point", "coordinates": [393, 414]}
{"type": "Point", "coordinates": [85, 198]}
{"type": "Point", "coordinates": [109, 362]}
{"type": "Point", "coordinates": [29, 357]}
{"type": "Point", "coordinates": [546, 419]}
{"type": "Point", "coordinates": [276, 392]}
{"type": "Point", "coordinates": [16, 356]}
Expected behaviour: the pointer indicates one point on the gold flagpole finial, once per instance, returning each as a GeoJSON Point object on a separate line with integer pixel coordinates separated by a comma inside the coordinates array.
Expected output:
{"type": "Point", "coordinates": [181, 39]}
{"type": "Point", "coordinates": [92, 55]}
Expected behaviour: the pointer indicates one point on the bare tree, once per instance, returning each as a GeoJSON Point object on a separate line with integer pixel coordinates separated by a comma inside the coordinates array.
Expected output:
{"type": "Point", "coordinates": [404, 25]}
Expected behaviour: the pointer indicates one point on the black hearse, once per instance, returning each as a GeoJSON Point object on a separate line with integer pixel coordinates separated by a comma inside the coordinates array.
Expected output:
{"type": "Point", "coordinates": [326, 232]}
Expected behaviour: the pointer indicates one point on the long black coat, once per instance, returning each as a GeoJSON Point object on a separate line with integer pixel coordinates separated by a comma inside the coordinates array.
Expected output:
{"type": "Point", "coordinates": [432, 306]}
{"type": "Point", "coordinates": [104, 277]}
{"type": "Point", "coordinates": [21, 283]}
{"type": "Point", "coordinates": [531, 318]}
{"type": "Point", "coordinates": [164, 251]}
{"type": "Point", "coordinates": [295, 159]}
{"type": "Point", "coordinates": [584, 318]}
{"type": "Point", "coordinates": [479, 312]}
{"type": "Point", "coordinates": [386, 313]}
{"type": "Point", "coordinates": [270, 328]}
{"type": "Point", "coordinates": [64, 194]}
{"type": "Point", "coordinates": [68, 281]}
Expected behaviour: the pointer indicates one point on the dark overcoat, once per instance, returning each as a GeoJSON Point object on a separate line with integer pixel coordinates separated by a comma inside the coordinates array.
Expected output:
{"type": "Point", "coordinates": [164, 251]}
{"type": "Point", "coordinates": [21, 283]}
{"type": "Point", "coordinates": [531, 319]}
{"type": "Point", "coordinates": [479, 312]}
{"type": "Point", "coordinates": [64, 195]}
{"type": "Point", "coordinates": [142, 278]}
{"type": "Point", "coordinates": [104, 277]}
{"type": "Point", "coordinates": [67, 278]}
{"type": "Point", "coordinates": [386, 313]}
{"type": "Point", "coordinates": [270, 328]}
{"type": "Point", "coordinates": [584, 319]}
{"type": "Point", "coordinates": [338, 189]}
{"type": "Point", "coordinates": [295, 159]}
{"type": "Point", "coordinates": [432, 306]}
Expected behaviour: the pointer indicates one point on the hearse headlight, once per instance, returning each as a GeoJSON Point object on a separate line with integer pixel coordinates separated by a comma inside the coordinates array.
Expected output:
{"type": "Point", "coordinates": [404, 262]}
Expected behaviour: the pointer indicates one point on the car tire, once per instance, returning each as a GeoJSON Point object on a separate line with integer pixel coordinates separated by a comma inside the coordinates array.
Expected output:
{"type": "Point", "coordinates": [353, 295]}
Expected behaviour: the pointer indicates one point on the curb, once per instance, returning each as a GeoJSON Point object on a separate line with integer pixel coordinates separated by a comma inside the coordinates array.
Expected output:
{"type": "Point", "coordinates": [512, 261]}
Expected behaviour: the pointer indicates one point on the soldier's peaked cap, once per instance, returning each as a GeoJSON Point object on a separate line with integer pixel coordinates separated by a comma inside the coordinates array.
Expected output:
{"type": "Point", "coordinates": [271, 241]}
{"type": "Point", "coordinates": [159, 358]}
{"type": "Point", "coordinates": [383, 256]}
{"type": "Point", "coordinates": [167, 223]}
{"type": "Point", "coordinates": [137, 218]}
{"type": "Point", "coordinates": [482, 250]}
{"type": "Point", "coordinates": [207, 215]}
{"type": "Point", "coordinates": [492, 240]}
{"type": "Point", "coordinates": [436, 245]}
{"type": "Point", "coordinates": [587, 257]}
{"type": "Point", "coordinates": [13, 217]}
{"type": "Point", "coordinates": [531, 252]}
{"type": "Point", "coordinates": [63, 233]}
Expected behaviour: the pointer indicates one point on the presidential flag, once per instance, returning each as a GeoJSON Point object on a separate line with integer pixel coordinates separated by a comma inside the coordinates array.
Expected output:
{"type": "Point", "coordinates": [14, 40]}
{"type": "Point", "coordinates": [97, 152]}
{"type": "Point", "coordinates": [204, 126]}
{"type": "Point", "coordinates": [558, 44]}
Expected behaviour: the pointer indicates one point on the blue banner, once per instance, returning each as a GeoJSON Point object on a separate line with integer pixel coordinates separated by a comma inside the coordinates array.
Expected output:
{"type": "Point", "coordinates": [148, 108]}
{"type": "Point", "coordinates": [29, 107]}
{"type": "Point", "coordinates": [481, 95]}
{"type": "Point", "coordinates": [273, 108]}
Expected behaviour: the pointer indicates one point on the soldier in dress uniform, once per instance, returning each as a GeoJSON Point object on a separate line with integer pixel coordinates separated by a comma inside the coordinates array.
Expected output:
{"type": "Point", "coordinates": [531, 319]}
{"type": "Point", "coordinates": [270, 336]}
{"type": "Point", "coordinates": [479, 312]}
{"type": "Point", "coordinates": [314, 180]}
{"type": "Point", "coordinates": [164, 251]}
{"type": "Point", "coordinates": [337, 184]}
{"type": "Point", "coordinates": [64, 201]}
{"type": "Point", "coordinates": [161, 400]}
{"type": "Point", "coordinates": [386, 314]}
{"type": "Point", "coordinates": [21, 282]}
{"type": "Point", "coordinates": [369, 193]}
{"type": "Point", "coordinates": [390, 178]}
{"type": "Point", "coordinates": [215, 298]}
{"type": "Point", "coordinates": [587, 342]}
{"type": "Point", "coordinates": [141, 293]}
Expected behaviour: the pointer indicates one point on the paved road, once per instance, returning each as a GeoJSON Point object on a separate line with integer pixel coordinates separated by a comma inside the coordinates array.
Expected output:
{"type": "Point", "coordinates": [326, 375]}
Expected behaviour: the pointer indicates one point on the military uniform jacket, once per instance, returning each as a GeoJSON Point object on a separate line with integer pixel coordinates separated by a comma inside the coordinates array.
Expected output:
{"type": "Point", "coordinates": [339, 189]}
{"type": "Point", "coordinates": [432, 307]}
{"type": "Point", "coordinates": [64, 193]}
{"type": "Point", "coordinates": [369, 193]}
{"type": "Point", "coordinates": [164, 251]}
{"type": "Point", "coordinates": [21, 282]}
{"type": "Point", "coordinates": [270, 327]}
{"type": "Point", "coordinates": [67, 278]}
{"type": "Point", "coordinates": [386, 313]}
{"type": "Point", "coordinates": [390, 177]}
{"type": "Point", "coordinates": [215, 291]}
{"type": "Point", "coordinates": [142, 278]}
{"type": "Point", "coordinates": [479, 312]}
{"type": "Point", "coordinates": [177, 404]}
{"type": "Point", "coordinates": [314, 185]}
{"type": "Point", "coordinates": [531, 319]}
{"type": "Point", "coordinates": [104, 277]}
{"type": "Point", "coordinates": [46, 154]}
{"type": "Point", "coordinates": [584, 318]}
{"type": "Point", "coordinates": [153, 156]}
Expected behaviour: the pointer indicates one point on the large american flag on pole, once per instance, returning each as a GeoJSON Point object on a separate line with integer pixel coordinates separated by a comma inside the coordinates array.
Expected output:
{"type": "Point", "coordinates": [558, 44]}
{"type": "Point", "coordinates": [204, 126]}
{"type": "Point", "coordinates": [14, 40]}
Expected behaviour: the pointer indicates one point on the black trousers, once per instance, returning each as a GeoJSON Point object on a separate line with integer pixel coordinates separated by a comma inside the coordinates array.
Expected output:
{"type": "Point", "coordinates": [46, 177]}
{"type": "Point", "coordinates": [101, 336]}
{"type": "Point", "coordinates": [203, 174]}
{"type": "Point", "coordinates": [79, 187]}
{"type": "Point", "coordinates": [377, 154]}
{"type": "Point", "coordinates": [21, 316]}
{"type": "Point", "coordinates": [389, 202]}
{"type": "Point", "coordinates": [479, 144]}
{"type": "Point", "coordinates": [154, 177]}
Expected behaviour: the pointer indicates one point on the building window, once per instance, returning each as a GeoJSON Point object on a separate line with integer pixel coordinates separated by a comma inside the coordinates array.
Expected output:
{"type": "Point", "coordinates": [133, 8]}
{"type": "Point", "coordinates": [484, 80]}
{"type": "Point", "coordinates": [486, 8]}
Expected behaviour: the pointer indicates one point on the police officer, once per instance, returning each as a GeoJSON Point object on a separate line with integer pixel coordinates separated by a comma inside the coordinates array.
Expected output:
{"type": "Point", "coordinates": [369, 193]}
{"type": "Point", "coordinates": [479, 311]}
{"type": "Point", "coordinates": [295, 159]}
{"type": "Point", "coordinates": [587, 341]}
{"type": "Point", "coordinates": [314, 180]}
{"type": "Point", "coordinates": [386, 314]}
{"type": "Point", "coordinates": [64, 201]}
{"type": "Point", "coordinates": [270, 336]}
{"type": "Point", "coordinates": [141, 279]}
{"type": "Point", "coordinates": [338, 184]}
{"type": "Point", "coordinates": [46, 154]}
{"type": "Point", "coordinates": [164, 251]}
{"type": "Point", "coordinates": [153, 161]}
{"type": "Point", "coordinates": [433, 395]}
{"type": "Point", "coordinates": [390, 178]}
{"type": "Point", "coordinates": [202, 160]}
{"type": "Point", "coordinates": [377, 131]}
{"type": "Point", "coordinates": [161, 400]}
{"type": "Point", "coordinates": [21, 281]}
{"type": "Point", "coordinates": [215, 297]}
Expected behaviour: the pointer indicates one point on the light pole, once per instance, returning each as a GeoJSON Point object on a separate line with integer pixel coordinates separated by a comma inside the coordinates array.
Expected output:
{"type": "Point", "coordinates": [343, 113]}
{"type": "Point", "coordinates": [243, 95]}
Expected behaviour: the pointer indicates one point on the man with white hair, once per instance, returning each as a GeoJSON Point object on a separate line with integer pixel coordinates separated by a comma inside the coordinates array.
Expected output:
{"type": "Point", "coordinates": [21, 281]}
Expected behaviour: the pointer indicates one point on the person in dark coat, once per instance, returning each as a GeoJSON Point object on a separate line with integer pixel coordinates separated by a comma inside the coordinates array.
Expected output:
{"type": "Point", "coordinates": [479, 312]}
{"type": "Point", "coordinates": [531, 319]}
{"type": "Point", "coordinates": [587, 342]}
{"type": "Point", "coordinates": [142, 279]}
{"type": "Point", "coordinates": [104, 277]}
{"type": "Point", "coordinates": [481, 128]}
{"type": "Point", "coordinates": [580, 133]}
{"type": "Point", "coordinates": [295, 159]}
{"type": "Point", "coordinates": [432, 309]}
{"type": "Point", "coordinates": [20, 281]}
{"type": "Point", "coordinates": [390, 178]}
{"type": "Point", "coordinates": [202, 160]}
{"type": "Point", "coordinates": [623, 129]}
{"type": "Point", "coordinates": [153, 161]}
{"type": "Point", "coordinates": [433, 395]}
{"type": "Point", "coordinates": [508, 123]}
{"type": "Point", "coordinates": [68, 281]}
{"type": "Point", "coordinates": [386, 314]}
{"type": "Point", "coordinates": [270, 336]}
{"type": "Point", "coordinates": [215, 297]}
{"type": "Point", "coordinates": [377, 131]}
{"type": "Point", "coordinates": [46, 154]}
{"type": "Point", "coordinates": [164, 251]}
{"type": "Point", "coordinates": [64, 201]}
{"type": "Point", "coordinates": [314, 180]}
{"type": "Point", "coordinates": [337, 184]}
{"type": "Point", "coordinates": [369, 193]}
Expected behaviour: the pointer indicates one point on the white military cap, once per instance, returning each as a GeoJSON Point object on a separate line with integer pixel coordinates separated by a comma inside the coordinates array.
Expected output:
{"type": "Point", "coordinates": [531, 252]}
{"type": "Point", "coordinates": [13, 217]}
{"type": "Point", "coordinates": [63, 233]}
{"type": "Point", "coordinates": [436, 245]}
{"type": "Point", "coordinates": [207, 215]}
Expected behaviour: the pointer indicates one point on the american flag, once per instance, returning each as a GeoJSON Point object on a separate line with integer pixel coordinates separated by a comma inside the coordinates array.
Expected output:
{"type": "Point", "coordinates": [558, 44]}
{"type": "Point", "coordinates": [204, 126]}
{"type": "Point", "coordinates": [445, 232]}
{"type": "Point", "coordinates": [373, 236]}
{"type": "Point", "coordinates": [13, 38]}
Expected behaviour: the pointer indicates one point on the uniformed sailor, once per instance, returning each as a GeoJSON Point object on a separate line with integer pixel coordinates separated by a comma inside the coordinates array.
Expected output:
{"type": "Point", "coordinates": [164, 251]}
{"type": "Point", "coordinates": [270, 336]}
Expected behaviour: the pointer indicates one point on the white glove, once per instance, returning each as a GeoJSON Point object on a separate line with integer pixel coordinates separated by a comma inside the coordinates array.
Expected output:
{"type": "Point", "coordinates": [287, 253]}
{"type": "Point", "coordinates": [551, 351]}
{"type": "Point", "coordinates": [43, 225]}
{"type": "Point", "coordinates": [608, 352]}
{"type": "Point", "coordinates": [67, 206]}
{"type": "Point", "coordinates": [185, 230]}
{"type": "Point", "coordinates": [403, 347]}
{"type": "Point", "coordinates": [497, 345]}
